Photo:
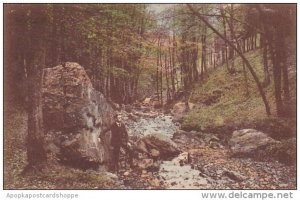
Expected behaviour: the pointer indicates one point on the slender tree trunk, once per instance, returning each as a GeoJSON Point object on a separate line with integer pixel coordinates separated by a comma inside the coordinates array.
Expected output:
{"type": "Point", "coordinates": [232, 37]}
{"type": "Point", "coordinates": [167, 78]}
{"type": "Point", "coordinates": [174, 53]}
{"type": "Point", "coordinates": [172, 66]}
{"type": "Point", "coordinates": [54, 43]}
{"type": "Point", "coordinates": [277, 80]}
{"type": "Point", "coordinates": [265, 61]}
{"type": "Point", "coordinates": [194, 58]}
{"type": "Point", "coordinates": [161, 76]}
{"type": "Point", "coordinates": [157, 69]}
{"type": "Point", "coordinates": [284, 68]}
{"type": "Point", "coordinates": [204, 51]}
{"type": "Point", "coordinates": [203, 57]}
{"type": "Point", "coordinates": [255, 42]}
{"type": "Point", "coordinates": [246, 80]}
{"type": "Point", "coordinates": [225, 35]}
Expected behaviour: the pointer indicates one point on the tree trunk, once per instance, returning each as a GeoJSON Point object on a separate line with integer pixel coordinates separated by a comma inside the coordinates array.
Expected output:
{"type": "Point", "coordinates": [172, 66]}
{"type": "Point", "coordinates": [275, 42]}
{"type": "Point", "coordinates": [265, 61]}
{"type": "Point", "coordinates": [55, 39]}
{"type": "Point", "coordinates": [167, 78]}
{"type": "Point", "coordinates": [246, 80]}
{"type": "Point", "coordinates": [37, 23]}
{"type": "Point", "coordinates": [277, 81]}
{"type": "Point", "coordinates": [157, 69]}
{"type": "Point", "coordinates": [203, 56]}
{"type": "Point", "coordinates": [161, 76]}
{"type": "Point", "coordinates": [225, 35]}
{"type": "Point", "coordinates": [232, 37]}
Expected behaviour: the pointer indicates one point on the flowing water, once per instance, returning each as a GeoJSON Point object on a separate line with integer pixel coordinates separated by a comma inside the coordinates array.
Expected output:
{"type": "Point", "coordinates": [146, 123]}
{"type": "Point", "coordinates": [214, 167]}
{"type": "Point", "coordinates": [174, 174]}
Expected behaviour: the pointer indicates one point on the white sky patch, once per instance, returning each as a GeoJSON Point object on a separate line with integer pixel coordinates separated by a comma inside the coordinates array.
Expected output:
{"type": "Point", "coordinates": [158, 8]}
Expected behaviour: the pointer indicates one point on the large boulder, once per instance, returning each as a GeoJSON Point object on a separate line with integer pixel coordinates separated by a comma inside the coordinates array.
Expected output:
{"type": "Point", "coordinates": [248, 141]}
{"type": "Point", "coordinates": [157, 142]}
{"type": "Point", "coordinates": [74, 115]}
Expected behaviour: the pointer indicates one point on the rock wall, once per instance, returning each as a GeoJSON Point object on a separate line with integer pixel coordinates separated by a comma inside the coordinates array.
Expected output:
{"type": "Point", "coordinates": [74, 116]}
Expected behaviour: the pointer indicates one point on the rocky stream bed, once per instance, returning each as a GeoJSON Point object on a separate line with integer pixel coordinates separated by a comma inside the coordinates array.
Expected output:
{"type": "Point", "coordinates": [165, 156]}
{"type": "Point", "coordinates": [204, 161]}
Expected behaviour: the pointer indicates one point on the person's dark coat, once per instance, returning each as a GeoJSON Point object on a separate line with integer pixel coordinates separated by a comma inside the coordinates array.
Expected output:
{"type": "Point", "coordinates": [119, 135]}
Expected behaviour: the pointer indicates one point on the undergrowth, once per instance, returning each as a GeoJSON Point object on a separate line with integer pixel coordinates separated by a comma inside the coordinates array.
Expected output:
{"type": "Point", "coordinates": [222, 99]}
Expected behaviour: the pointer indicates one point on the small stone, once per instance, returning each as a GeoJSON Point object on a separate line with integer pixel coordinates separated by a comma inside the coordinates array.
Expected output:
{"type": "Point", "coordinates": [144, 175]}
{"type": "Point", "coordinates": [234, 175]}
{"type": "Point", "coordinates": [202, 175]}
{"type": "Point", "coordinates": [181, 163]}
{"type": "Point", "coordinates": [145, 163]}
{"type": "Point", "coordinates": [154, 153]}
{"type": "Point", "coordinates": [196, 184]}
{"type": "Point", "coordinates": [173, 183]}
{"type": "Point", "coordinates": [283, 185]}
{"type": "Point", "coordinates": [155, 182]}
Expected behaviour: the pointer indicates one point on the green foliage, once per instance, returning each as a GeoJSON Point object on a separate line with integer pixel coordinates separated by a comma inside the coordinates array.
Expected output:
{"type": "Point", "coordinates": [232, 105]}
{"type": "Point", "coordinates": [119, 72]}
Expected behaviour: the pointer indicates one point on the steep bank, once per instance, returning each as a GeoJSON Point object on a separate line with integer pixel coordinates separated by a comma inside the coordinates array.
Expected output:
{"type": "Point", "coordinates": [227, 101]}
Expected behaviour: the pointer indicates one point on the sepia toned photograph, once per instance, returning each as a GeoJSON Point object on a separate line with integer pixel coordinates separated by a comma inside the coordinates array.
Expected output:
{"type": "Point", "coordinates": [149, 96]}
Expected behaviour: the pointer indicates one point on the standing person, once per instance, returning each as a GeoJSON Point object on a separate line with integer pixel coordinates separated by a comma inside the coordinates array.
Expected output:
{"type": "Point", "coordinates": [119, 139]}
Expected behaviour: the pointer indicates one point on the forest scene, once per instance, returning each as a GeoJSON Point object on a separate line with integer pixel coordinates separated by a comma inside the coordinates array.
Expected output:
{"type": "Point", "coordinates": [150, 96]}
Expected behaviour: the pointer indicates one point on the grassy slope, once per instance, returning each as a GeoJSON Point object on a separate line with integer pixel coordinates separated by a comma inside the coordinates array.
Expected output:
{"type": "Point", "coordinates": [234, 106]}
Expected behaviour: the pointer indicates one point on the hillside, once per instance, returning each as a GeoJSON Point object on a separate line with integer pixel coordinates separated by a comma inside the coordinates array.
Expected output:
{"type": "Point", "coordinates": [222, 100]}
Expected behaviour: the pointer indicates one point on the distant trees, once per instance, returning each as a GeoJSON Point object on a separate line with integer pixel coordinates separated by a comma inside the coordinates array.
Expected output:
{"type": "Point", "coordinates": [113, 43]}
{"type": "Point", "coordinates": [107, 39]}
{"type": "Point", "coordinates": [191, 47]}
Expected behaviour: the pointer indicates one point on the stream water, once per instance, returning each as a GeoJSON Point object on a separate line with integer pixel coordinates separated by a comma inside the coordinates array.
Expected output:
{"type": "Point", "coordinates": [211, 168]}
{"type": "Point", "coordinates": [140, 124]}
{"type": "Point", "coordinates": [175, 176]}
